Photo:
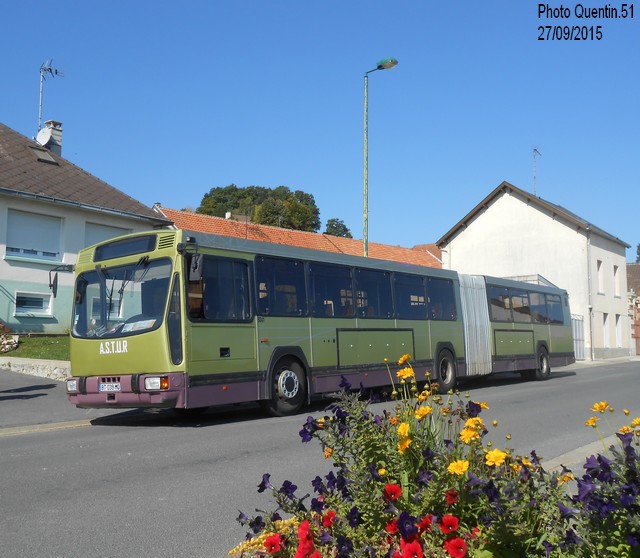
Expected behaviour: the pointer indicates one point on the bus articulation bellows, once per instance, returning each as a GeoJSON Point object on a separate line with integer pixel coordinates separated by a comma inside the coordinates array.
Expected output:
{"type": "Point", "coordinates": [185, 320]}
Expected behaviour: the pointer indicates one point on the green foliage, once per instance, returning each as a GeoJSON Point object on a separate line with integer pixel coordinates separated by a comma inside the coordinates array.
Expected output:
{"type": "Point", "coordinates": [638, 254]}
{"type": "Point", "coordinates": [336, 227]}
{"type": "Point", "coordinates": [278, 207]}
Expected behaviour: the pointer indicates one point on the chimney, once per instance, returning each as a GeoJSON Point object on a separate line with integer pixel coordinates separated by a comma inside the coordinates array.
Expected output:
{"type": "Point", "coordinates": [51, 136]}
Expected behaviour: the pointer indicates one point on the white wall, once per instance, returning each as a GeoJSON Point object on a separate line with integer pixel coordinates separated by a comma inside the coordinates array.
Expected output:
{"type": "Point", "coordinates": [512, 237]}
{"type": "Point", "coordinates": [21, 274]}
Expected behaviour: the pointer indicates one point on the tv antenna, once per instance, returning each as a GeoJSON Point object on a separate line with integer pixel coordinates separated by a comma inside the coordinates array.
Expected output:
{"type": "Point", "coordinates": [535, 152]}
{"type": "Point", "coordinates": [45, 69]}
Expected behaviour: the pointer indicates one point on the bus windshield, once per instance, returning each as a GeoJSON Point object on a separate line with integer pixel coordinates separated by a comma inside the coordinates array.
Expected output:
{"type": "Point", "coordinates": [122, 300]}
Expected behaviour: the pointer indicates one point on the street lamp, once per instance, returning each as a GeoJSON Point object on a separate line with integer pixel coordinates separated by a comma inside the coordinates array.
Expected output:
{"type": "Point", "coordinates": [385, 64]}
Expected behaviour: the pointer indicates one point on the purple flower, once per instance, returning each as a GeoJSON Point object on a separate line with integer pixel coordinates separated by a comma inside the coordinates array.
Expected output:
{"type": "Point", "coordinates": [265, 484]}
{"type": "Point", "coordinates": [317, 505]}
{"type": "Point", "coordinates": [344, 546]}
{"type": "Point", "coordinates": [428, 454]}
{"type": "Point", "coordinates": [288, 489]}
{"type": "Point", "coordinates": [373, 472]}
{"type": "Point", "coordinates": [473, 409]}
{"type": "Point", "coordinates": [344, 383]}
{"type": "Point", "coordinates": [424, 477]}
{"type": "Point", "coordinates": [548, 547]}
{"type": "Point", "coordinates": [275, 516]}
{"type": "Point", "coordinates": [318, 485]}
{"type": "Point", "coordinates": [353, 517]}
{"type": "Point", "coordinates": [565, 511]}
{"type": "Point", "coordinates": [308, 429]}
{"type": "Point", "coordinates": [257, 524]}
{"type": "Point", "coordinates": [585, 488]}
{"type": "Point", "coordinates": [407, 526]}
{"type": "Point", "coordinates": [325, 538]}
{"type": "Point", "coordinates": [243, 518]}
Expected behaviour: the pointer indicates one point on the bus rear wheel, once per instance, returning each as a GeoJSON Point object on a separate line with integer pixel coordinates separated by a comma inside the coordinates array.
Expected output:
{"type": "Point", "coordinates": [543, 369]}
{"type": "Point", "coordinates": [446, 371]}
{"type": "Point", "coordinates": [288, 389]}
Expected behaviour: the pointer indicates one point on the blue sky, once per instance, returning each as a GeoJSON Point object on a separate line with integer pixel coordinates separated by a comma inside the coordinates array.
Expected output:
{"type": "Point", "coordinates": [165, 100]}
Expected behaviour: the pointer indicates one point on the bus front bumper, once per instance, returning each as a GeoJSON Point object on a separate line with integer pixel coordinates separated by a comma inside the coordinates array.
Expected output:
{"type": "Point", "coordinates": [127, 391]}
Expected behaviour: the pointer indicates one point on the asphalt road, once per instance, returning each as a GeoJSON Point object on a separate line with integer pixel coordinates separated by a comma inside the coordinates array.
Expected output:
{"type": "Point", "coordinates": [94, 483]}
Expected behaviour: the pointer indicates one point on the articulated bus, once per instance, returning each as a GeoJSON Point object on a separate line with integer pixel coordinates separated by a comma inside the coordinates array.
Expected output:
{"type": "Point", "coordinates": [185, 320]}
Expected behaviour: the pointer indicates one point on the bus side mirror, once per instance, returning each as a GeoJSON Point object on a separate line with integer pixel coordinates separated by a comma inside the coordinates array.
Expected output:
{"type": "Point", "coordinates": [53, 285]}
{"type": "Point", "coordinates": [195, 267]}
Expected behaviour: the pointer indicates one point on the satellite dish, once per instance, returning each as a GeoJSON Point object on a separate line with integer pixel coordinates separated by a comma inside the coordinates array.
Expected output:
{"type": "Point", "coordinates": [44, 136]}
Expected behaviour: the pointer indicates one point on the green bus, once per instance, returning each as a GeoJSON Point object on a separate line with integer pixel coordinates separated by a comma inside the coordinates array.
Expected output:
{"type": "Point", "coordinates": [186, 320]}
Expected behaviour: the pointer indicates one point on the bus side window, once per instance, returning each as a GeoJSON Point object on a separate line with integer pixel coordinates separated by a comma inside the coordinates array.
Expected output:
{"type": "Point", "coordinates": [538, 308]}
{"type": "Point", "coordinates": [410, 296]}
{"type": "Point", "coordinates": [331, 290]}
{"type": "Point", "coordinates": [500, 304]}
{"type": "Point", "coordinates": [554, 309]}
{"type": "Point", "coordinates": [442, 302]}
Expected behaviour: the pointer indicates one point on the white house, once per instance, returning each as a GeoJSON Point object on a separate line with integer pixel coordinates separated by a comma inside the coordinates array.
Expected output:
{"type": "Point", "coordinates": [49, 210]}
{"type": "Point", "coordinates": [512, 233]}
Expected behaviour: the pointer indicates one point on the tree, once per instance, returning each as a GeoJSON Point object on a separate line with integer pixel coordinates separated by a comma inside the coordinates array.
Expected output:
{"type": "Point", "coordinates": [279, 207]}
{"type": "Point", "coordinates": [336, 227]}
{"type": "Point", "coordinates": [638, 254]}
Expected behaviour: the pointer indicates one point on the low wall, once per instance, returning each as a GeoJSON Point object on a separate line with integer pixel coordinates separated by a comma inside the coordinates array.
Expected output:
{"type": "Point", "coordinates": [53, 369]}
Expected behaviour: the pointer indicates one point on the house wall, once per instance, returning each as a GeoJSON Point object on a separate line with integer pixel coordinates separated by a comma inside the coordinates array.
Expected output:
{"type": "Point", "coordinates": [513, 237]}
{"type": "Point", "coordinates": [29, 275]}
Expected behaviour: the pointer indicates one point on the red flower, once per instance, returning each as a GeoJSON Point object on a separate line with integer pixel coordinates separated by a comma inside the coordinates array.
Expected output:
{"type": "Point", "coordinates": [273, 543]}
{"type": "Point", "coordinates": [451, 496]}
{"type": "Point", "coordinates": [392, 492]}
{"type": "Point", "coordinates": [305, 549]}
{"type": "Point", "coordinates": [449, 523]}
{"type": "Point", "coordinates": [411, 549]}
{"type": "Point", "coordinates": [456, 547]}
{"type": "Point", "coordinates": [315, 554]}
{"type": "Point", "coordinates": [396, 554]}
{"type": "Point", "coordinates": [329, 518]}
{"type": "Point", "coordinates": [425, 523]}
{"type": "Point", "coordinates": [392, 527]}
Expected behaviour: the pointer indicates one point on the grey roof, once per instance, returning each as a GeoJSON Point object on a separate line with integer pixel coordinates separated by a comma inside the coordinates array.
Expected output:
{"type": "Point", "coordinates": [533, 200]}
{"type": "Point", "coordinates": [29, 170]}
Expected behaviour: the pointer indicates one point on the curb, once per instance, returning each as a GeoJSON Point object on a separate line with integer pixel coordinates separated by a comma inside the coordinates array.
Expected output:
{"type": "Point", "coordinates": [52, 369]}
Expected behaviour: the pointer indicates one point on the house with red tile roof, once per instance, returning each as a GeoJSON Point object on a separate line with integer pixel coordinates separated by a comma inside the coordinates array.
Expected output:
{"type": "Point", "coordinates": [427, 255]}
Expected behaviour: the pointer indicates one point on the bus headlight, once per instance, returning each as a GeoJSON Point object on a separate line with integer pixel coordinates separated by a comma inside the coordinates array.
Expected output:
{"type": "Point", "coordinates": [157, 383]}
{"type": "Point", "coordinates": [72, 386]}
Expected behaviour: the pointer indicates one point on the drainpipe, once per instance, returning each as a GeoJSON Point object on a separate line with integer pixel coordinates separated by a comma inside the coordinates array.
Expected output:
{"type": "Point", "coordinates": [589, 285]}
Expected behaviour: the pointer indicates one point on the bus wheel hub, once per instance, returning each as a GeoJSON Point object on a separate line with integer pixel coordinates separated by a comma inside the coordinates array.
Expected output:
{"type": "Point", "coordinates": [288, 384]}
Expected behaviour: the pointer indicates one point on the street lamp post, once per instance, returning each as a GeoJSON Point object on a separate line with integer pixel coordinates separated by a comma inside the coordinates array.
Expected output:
{"type": "Point", "coordinates": [385, 64]}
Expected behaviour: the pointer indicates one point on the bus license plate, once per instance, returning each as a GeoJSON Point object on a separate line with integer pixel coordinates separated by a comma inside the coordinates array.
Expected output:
{"type": "Point", "coordinates": [110, 387]}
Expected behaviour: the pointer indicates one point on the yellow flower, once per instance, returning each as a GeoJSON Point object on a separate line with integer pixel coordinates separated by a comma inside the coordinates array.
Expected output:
{"type": "Point", "coordinates": [423, 411]}
{"type": "Point", "coordinates": [626, 412]}
{"type": "Point", "coordinates": [526, 462]}
{"type": "Point", "coordinates": [469, 434]}
{"type": "Point", "coordinates": [320, 423]}
{"type": "Point", "coordinates": [635, 422]}
{"type": "Point", "coordinates": [403, 429]}
{"type": "Point", "coordinates": [475, 423]}
{"type": "Point", "coordinates": [592, 422]}
{"type": "Point", "coordinates": [495, 457]}
{"type": "Point", "coordinates": [403, 359]}
{"type": "Point", "coordinates": [600, 407]}
{"type": "Point", "coordinates": [625, 429]}
{"type": "Point", "coordinates": [483, 404]}
{"type": "Point", "coordinates": [393, 420]}
{"type": "Point", "coordinates": [458, 467]}
{"type": "Point", "coordinates": [405, 373]}
{"type": "Point", "coordinates": [495, 423]}
{"type": "Point", "coordinates": [403, 445]}
{"type": "Point", "coordinates": [382, 472]}
{"type": "Point", "coordinates": [516, 468]}
{"type": "Point", "coordinates": [445, 411]}
{"type": "Point", "coordinates": [328, 452]}
{"type": "Point", "coordinates": [423, 396]}
{"type": "Point", "coordinates": [568, 476]}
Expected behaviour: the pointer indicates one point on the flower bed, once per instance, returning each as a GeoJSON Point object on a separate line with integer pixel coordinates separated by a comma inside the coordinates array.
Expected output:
{"type": "Point", "coordinates": [420, 482]}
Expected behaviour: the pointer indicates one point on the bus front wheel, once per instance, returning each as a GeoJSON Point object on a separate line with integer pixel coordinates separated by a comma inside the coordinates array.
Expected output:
{"type": "Point", "coordinates": [288, 389]}
{"type": "Point", "coordinates": [446, 371]}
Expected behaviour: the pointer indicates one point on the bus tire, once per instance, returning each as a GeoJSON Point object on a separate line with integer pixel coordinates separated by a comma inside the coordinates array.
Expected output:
{"type": "Point", "coordinates": [445, 371]}
{"type": "Point", "coordinates": [288, 389]}
{"type": "Point", "coordinates": [543, 369]}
